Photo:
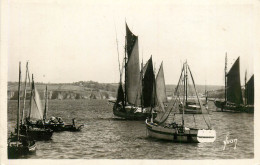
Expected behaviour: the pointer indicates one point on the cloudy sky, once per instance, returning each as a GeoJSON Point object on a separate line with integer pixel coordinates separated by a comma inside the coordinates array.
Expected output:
{"type": "Point", "coordinates": [69, 41]}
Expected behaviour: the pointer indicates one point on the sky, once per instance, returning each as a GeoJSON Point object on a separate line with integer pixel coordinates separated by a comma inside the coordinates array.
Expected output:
{"type": "Point", "coordinates": [68, 41]}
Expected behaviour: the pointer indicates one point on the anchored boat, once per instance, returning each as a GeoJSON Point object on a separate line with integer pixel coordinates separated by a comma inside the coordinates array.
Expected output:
{"type": "Point", "coordinates": [55, 123]}
{"type": "Point", "coordinates": [166, 128]}
{"type": "Point", "coordinates": [27, 127]}
{"type": "Point", "coordinates": [19, 144]}
{"type": "Point", "coordinates": [134, 100]}
{"type": "Point", "coordinates": [233, 101]}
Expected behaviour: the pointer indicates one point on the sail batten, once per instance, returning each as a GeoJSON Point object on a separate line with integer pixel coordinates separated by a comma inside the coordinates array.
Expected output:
{"type": "Point", "coordinates": [234, 93]}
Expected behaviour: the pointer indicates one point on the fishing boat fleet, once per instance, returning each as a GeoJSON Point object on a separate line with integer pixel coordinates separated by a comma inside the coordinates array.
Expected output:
{"type": "Point", "coordinates": [142, 96]}
{"type": "Point", "coordinates": [34, 126]}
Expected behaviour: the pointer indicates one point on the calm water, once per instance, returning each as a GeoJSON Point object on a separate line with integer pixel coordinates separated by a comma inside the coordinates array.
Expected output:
{"type": "Point", "coordinates": [105, 136]}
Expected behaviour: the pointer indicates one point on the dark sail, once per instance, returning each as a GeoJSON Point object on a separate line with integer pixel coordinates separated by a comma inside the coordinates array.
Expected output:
{"type": "Point", "coordinates": [250, 91]}
{"type": "Point", "coordinates": [120, 94]}
{"type": "Point", "coordinates": [234, 93]}
{"type": "Point", "coordinates": [148, 85]}
{"type": "Point", "coordinates": [130, 41]}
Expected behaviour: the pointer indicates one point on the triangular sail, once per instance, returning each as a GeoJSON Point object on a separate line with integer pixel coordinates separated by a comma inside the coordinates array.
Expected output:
{"type": "Point", "coordinates": [160, 93]}
{"type": "Point", "coordinates": [148, 85]}
{"type": "Point", "coordinates": [234, 93]}
{"type": "Point", "coordinates": [132, 68]}
{"type": "Point", "coordinates": [36, 107]}
{"type": "Point", "coordinates": [250, 91]}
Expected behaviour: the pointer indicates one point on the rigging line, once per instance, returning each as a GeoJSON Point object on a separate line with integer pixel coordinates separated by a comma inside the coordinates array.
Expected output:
{"type": "Point", "coordinates": [175, 100]}
{"type": "Point", "coordinates": [198, 97]}
{"type": "Point", "coordinates": [176, 89]}
{"type": "Point", "coordinates": [120, 71]}
{"type": "Point", "coordinates": [24, 96]}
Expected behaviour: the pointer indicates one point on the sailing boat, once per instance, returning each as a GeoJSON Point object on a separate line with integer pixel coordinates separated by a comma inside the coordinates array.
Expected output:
{"type": "Point", "coordinates": [134, 101]}
{"type": "Point", "coordinates": [19, 144]}
{"type": "Point", "coordinates": [35, 113]}
{"type": "Point", "coordinates": [249, 95]}
{"type": "Point", "coordinates": [191, 106]}
{"type": "Point", "coordinates": [53, 124]}
{"type": "Point", "coordinates": [233, 93]}
{"type": "Point", "coordinates": [160, 94]}
{"type": "Point", "coordinates": [167, 129]}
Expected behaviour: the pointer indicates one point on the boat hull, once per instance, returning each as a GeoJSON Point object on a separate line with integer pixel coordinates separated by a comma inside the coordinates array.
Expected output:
{"type": "Point", "coordinates": [130, 114]}
{"type": "Point", "coordinates": [187, 135]}
{"type": "Point", "coordinates": [36, 133]}
{"type": "Point", "coordinates": [22, 147]}
{"type": "Point", "coordinates": [249, 108]}
{"type": "Point", "coordinates": [60, 127]}
{"type": "Point", "coordinates": [191, 108]}
{"type": "Point", "coordinates": [230, 107]}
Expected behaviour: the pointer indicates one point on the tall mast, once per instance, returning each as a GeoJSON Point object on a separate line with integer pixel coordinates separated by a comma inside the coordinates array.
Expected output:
{"type": "Point", "coordinates": [125, 72]}
{"type": "Point", "coordinates": [18, 113]}
{"type": "Point", "coordinates": [142, 83]}
{"type": "Point", "coordinates": [186, 85]}
{"type": "Point", "coordinates": [206, 93]}
{"type": "Point", "coordinates": [246, 93]}
{"type": "Point", "coordinates": [184, 102]}
{"type": "Point", "coordinates": [226, 79]}
{"type": "Point", "coordinates": [118, 56]}
{"type": "Point", "coordinates": [24, 99]}
{"type": "Point", "coordinates": [32, 88]}
{"type": "Point", "coordinates": [46, 105]}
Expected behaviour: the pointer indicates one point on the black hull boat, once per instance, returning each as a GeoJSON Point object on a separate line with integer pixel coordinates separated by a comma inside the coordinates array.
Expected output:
{"type": "Point", "coordinates": [131, 113]}
{"type": "Point", "coordinates": [229, 107]}
{"type": "Point", "coordinates": [57, 127]}
{"type": "Point", "coordinates": [23, 146]}
{"type": "Point", "coordinates": [18, 144]}
{"type": "Point", "coordinates": [36, 133]}
{"type": "Point", "coordinates": [55, 123]}
{"type": "Point", "coordinates": [135, 99]}
{"type": "Point", "coordinates": [233, 101]}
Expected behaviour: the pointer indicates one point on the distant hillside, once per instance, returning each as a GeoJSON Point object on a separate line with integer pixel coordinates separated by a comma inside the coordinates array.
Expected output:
{"type": "Point", "coordinates": [92, 90]}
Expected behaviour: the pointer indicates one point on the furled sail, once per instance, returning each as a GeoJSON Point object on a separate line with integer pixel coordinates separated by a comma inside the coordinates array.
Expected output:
{"type": "Point", "coordinates": [36, 107]}
{"type": "Point", "coordinates": [160, 92]}
{"type": "Point", "coordinates": [148, 85]}
{"type": "Point", "coordinates": [234, 93]}
{"type": "Point", "coordinates": [132, 67]}
{"type": "Point", "coordinates": [250, 91]}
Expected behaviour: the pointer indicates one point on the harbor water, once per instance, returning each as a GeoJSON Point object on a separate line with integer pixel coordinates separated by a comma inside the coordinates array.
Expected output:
{"type": "Point", "coordinates": [105, 136]}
